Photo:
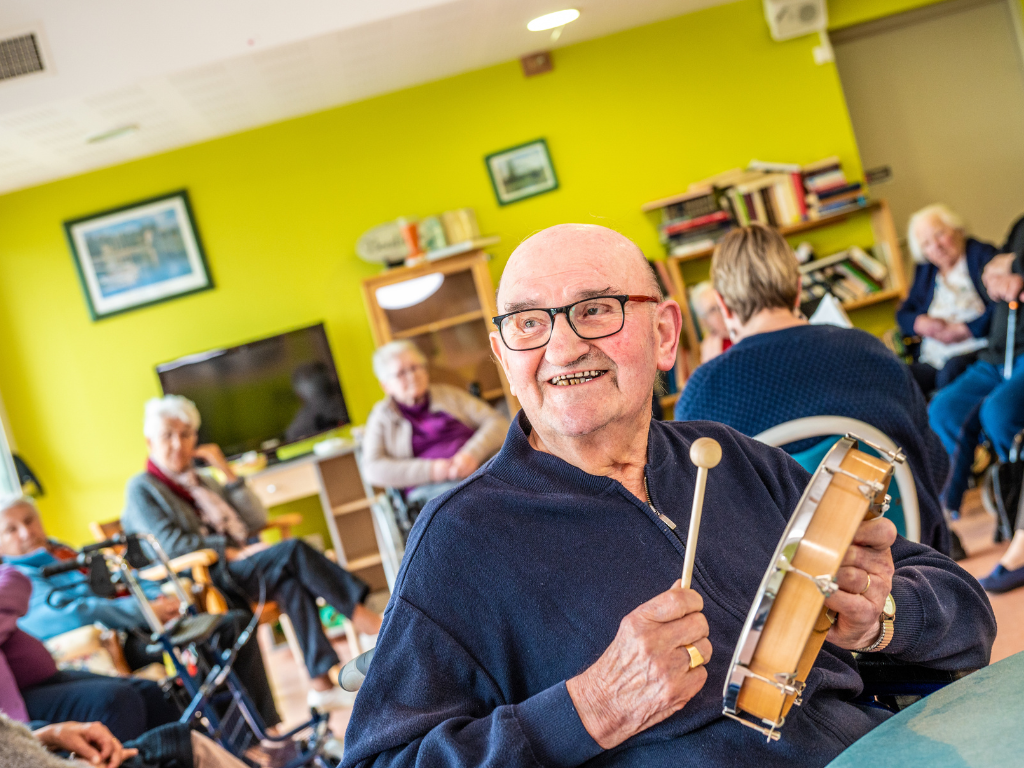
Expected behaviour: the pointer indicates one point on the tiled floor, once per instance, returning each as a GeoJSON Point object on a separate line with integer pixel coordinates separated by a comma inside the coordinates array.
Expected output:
{"type": "Point", "coordinates": [975, 528]}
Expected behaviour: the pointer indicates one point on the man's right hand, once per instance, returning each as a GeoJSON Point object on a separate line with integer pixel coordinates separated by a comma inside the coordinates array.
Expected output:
{"type": "Point", "coordinates": [644, 675]}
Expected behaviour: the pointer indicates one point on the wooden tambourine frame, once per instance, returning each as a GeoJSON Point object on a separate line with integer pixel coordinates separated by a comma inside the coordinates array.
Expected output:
{"type": "Point", "coordinates": [788, 622]}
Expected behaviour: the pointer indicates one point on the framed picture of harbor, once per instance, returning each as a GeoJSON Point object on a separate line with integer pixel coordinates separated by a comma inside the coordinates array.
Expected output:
{"type": "Point", "coordinates": [137, 255]}
{"type": "Point", "coordinates": [521, 172]}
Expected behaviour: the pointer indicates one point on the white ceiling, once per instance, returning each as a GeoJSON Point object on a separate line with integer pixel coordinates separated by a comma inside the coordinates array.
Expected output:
{"type": "Point", "coordinates": [192, 70]}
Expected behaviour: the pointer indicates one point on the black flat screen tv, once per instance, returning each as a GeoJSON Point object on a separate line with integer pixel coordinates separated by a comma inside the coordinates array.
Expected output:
{"type": "Point", "coordinates": [264, 394]}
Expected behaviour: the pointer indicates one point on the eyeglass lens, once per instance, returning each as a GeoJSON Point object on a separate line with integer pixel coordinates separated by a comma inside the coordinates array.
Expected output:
{"type": "Point", "coordinates": [590, 319]}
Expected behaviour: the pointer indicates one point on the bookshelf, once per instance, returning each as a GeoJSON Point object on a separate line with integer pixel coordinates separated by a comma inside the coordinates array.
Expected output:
{"type": "Point", "coordinates": [450, 326]}
{"type": "Point", "coordinates": [886, 246]}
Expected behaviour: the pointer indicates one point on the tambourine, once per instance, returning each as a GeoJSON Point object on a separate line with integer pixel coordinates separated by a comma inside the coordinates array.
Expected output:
{"type": "Point", "coordinates": [788, 621]}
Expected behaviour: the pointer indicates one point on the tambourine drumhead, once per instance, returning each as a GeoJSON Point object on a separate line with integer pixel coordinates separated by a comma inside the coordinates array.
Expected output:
{"type": "Point", "coordinates": [787, 622]}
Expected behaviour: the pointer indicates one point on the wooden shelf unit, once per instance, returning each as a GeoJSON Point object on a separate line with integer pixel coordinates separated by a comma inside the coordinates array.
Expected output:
{"type": "Point", "coordinates": [346, 502]}
{"type": "Point", "coordinates": [451, 326]}
{"type": "Point", "coordinates": [886, 245]}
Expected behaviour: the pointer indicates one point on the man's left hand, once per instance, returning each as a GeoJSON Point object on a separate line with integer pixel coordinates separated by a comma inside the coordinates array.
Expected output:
{"type": "Point", "coordinates": [857, 625]}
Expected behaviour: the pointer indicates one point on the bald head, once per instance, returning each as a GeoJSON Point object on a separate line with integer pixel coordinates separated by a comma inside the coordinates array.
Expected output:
{"type": "Point", "coordinates": [548, 257]}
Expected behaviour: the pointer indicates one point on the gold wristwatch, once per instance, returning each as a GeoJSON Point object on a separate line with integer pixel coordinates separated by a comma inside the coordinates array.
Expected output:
{"type": "Point", "coordinates": [886, 629]}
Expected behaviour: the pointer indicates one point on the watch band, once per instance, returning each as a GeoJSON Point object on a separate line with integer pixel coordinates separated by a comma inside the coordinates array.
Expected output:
{"type": "Point", "coordinates": [886, 628]}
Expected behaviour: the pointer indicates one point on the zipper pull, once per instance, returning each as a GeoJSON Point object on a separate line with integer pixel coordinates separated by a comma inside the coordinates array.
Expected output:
{"type": "Point", "coordinates": [664, 518]}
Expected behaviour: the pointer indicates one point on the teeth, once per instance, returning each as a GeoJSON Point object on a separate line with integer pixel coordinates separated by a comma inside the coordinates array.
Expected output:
{"type": "Point", "coordinates": [580, 377]}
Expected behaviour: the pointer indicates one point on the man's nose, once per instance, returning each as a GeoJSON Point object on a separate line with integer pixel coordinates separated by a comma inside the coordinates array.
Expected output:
{"type": "Point", "coordinates": [564, 346]}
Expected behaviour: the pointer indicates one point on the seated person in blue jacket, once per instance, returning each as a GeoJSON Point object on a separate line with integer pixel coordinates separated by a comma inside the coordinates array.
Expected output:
{"type": "Point", "coordinates": [65, 602]}
{"type": "Point", "coordinates": [947, 306]}
{"type": "Point", "coordinates": [187, 511]}
{"type": "Point", "coordinates": [33, 690]}
{"type": "Point", "coordinates": [539, 618]}
{"type": "Point", "coordinates": [782, 368]}
{"type": "Point", "coordinates": [989, 398]}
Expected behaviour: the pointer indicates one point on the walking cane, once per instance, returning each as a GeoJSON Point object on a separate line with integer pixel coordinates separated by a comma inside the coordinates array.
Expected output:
{"type": "Point", "coordinates": [1011, 339]}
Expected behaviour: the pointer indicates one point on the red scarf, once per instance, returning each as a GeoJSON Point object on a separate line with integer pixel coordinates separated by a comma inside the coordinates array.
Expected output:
{"type": "Point", "coordinates": [177, 489]}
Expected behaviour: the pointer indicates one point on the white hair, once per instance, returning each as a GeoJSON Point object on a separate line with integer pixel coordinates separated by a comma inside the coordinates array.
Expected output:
{"type": "Point", "coordinates": [12, 500]}
{"type": "Point", "coordinates": [159, 409]}
{"type": "Point", "coordinates": [940, 211]}
{"type": "Point", "coordinates": [699, 294]}
{"type": "Point", "coordinates": [384, 355]}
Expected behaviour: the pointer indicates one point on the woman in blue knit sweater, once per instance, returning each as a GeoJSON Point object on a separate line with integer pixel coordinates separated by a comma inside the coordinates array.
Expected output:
{"type": "Point", "coordinates": [782, 368]}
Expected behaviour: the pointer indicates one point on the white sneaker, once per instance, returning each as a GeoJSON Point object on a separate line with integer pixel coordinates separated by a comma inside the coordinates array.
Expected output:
{"type": "Point", "coordinates": [327, 701]}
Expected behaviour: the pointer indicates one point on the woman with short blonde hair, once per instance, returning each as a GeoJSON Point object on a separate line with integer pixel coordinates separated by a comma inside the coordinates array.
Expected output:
{"type": "Point", "coordinates": [781, 368]}
{"type": "Point", "coordinates": [753, 269]}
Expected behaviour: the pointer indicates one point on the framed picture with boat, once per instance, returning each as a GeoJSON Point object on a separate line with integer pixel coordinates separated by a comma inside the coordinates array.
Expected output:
{"type": "Point", "coordinates": [138, 254]}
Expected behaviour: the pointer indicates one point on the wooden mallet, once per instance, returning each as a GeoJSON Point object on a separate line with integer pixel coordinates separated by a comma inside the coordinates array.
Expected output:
{"type": "Point", "coordinates": [705, 453]}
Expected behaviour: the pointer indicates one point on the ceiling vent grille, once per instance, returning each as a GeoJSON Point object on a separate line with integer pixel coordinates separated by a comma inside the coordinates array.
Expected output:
{"type": "Point", "coordinates": [20, 56]}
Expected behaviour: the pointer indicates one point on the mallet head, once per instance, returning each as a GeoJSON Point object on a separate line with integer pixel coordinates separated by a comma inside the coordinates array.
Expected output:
{"type": "Point", "coordinates": [705, 452]}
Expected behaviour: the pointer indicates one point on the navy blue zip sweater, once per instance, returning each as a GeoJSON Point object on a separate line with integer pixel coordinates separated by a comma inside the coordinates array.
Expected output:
{"type": "Point", "coordinates": [517, 580]}
{"type": "Point", "coordinates": [818, 370]}
{"type": "Point", "coordinates": [978, 254]}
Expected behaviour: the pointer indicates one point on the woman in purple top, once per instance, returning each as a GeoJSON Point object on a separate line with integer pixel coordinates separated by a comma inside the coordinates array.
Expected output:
{"type": "Point", "coordinates": [425, 437]}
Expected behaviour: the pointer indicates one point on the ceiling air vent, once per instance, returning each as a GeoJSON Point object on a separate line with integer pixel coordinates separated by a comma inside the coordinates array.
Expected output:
{"type": "Point", "coordinates": [20, 56]}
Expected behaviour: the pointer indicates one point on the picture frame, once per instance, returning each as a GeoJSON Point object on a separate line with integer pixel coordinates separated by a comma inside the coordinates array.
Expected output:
{"type": "Point", "coordinates": [138, 255]}
{"type": "Point", "coordinates": [522, 171]}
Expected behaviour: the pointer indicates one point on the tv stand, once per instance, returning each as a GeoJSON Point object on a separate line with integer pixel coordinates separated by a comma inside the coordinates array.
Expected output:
{"type": "Point", "coordinates": [345, 499]}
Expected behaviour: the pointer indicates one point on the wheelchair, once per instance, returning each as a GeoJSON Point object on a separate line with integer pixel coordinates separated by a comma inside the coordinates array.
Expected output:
{"type": "Point", "coordinates": [205, 685]}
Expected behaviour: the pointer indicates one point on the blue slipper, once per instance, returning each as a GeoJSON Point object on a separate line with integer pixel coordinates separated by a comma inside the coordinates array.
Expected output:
{"type": "Point", "coordinates": [1003, 580]}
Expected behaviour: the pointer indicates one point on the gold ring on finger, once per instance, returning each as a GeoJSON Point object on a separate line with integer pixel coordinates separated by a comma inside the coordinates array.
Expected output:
{"type": "Point", "coordinates": [696, 659]}
{"type": "Point", "coordinates": [866, 586]}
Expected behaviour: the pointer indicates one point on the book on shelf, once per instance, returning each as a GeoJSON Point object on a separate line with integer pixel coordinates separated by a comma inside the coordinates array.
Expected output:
{"type": "Point", "coordinates": [849, 275]}
{"type": "Point", "coordinates": [771, 193]}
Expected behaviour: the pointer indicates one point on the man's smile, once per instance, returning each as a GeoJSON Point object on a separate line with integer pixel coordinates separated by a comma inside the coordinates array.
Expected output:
{"type": "Point", "coordinates": [578, 377]}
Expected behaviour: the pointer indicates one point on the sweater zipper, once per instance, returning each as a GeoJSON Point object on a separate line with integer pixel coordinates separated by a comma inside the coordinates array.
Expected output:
{"type": "Point", "coordinates": [664, 518]}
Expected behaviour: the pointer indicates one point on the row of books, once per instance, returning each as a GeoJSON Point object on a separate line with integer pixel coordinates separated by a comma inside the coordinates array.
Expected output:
{"type": "Point", "coordinates": [849, 275]}
{"type": "Point", "coordinates": [776, 194]}
{"type": "Point", "coordinates": [828, 189]}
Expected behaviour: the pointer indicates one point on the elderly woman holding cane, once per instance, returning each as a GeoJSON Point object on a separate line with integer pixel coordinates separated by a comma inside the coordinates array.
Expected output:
{"type": "Point", "coordinates": [187, 511]}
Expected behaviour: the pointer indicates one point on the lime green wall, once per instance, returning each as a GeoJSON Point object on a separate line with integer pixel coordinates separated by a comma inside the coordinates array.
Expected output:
{"type": "Point", "coordinates": [629, 118]}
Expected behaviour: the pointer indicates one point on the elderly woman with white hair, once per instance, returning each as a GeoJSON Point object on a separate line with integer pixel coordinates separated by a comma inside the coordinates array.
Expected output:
{"type": "Point", "coordinates": [947, 306]}
{"type": "Point", "coordinates": [424, 437]}
{"type": "Point", "coordinates": [187, 511]}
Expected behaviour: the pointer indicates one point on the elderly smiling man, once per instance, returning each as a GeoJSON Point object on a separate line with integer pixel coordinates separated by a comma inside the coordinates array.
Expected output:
{"type": "Point", "coordinates": [538, 618]}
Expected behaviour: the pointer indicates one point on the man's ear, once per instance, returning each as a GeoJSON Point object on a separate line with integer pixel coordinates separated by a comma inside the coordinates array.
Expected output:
{"type": "Point", "coordinates": [668, 327]}
{"type": "Point", "coordinates": [499, 350]}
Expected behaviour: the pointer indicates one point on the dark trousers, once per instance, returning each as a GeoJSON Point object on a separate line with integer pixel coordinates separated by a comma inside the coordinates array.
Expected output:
{"type": "Point", "coordinates": [295, 575]}
{"type": "Point", "coordinates": [930, 379]}
{"type": "Point", "coordinates": [248, 664]}
{"type": "Point", "coordinates": [127, 706]}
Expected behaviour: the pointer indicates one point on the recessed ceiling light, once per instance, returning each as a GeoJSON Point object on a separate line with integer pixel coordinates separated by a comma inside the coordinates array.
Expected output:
{"type": "Point", "coordinates": [409, 293]}
{"type": "Point", "coordinates": [113, 133]}
{"type": "Point", "coordinates": [552, 20]}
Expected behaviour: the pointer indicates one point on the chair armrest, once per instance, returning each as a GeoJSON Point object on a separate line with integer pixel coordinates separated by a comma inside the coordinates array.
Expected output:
{"type": "Point", "coordinates": [201, 558]}
{"type": "Point", "coordinates": [284, 523]}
